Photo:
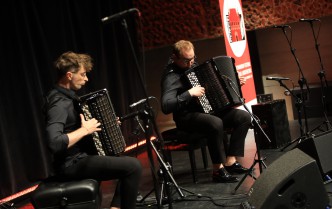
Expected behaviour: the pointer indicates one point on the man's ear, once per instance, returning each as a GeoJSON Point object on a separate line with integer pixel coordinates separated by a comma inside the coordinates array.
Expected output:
{"type": "Point", "coordinates": [69, 75]}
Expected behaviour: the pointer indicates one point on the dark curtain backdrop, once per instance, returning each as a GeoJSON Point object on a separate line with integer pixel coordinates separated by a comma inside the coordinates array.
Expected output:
{"type": "Point", "coordinates": [34, 33]}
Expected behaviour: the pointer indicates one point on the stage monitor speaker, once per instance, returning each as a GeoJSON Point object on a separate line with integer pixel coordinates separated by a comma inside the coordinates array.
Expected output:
{"type": "Point", "coordinates": [274, 121]}
{"type": "Point", "coordinates": [319, 147]}
{"type": "Point", "coordinates": [291, 181]}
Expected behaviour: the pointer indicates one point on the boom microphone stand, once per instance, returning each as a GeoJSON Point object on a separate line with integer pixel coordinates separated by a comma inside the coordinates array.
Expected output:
{"type": "Point", "coordinates": [259, 160]}
{"type": "Point", "coordinates": [302, 81]}
{"type": "Point", "coordinates": [298, 105]}
{"type": "Point", "coordinates": [167, 180]}
{"type": "Point", "coordinates": [148, 131]}
{"type": "Point", "coordinates": [322, 77]}
{"type": "Point", "coordinates": [148, 117]}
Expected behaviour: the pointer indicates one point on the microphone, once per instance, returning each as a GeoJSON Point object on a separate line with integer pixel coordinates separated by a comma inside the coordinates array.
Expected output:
{"type": "Point", "coordinates": [281, 26]}
{"type": "Point", "coordinates": [276, 78]}
{"type": "Point", "coordinates": [308, 20]}
{"type": "Point", "coordinates": [140, 101]}
{"type": "Point", "coordinates": [130, 115]}
{"type": "Point", "coordinates": [119, 15]}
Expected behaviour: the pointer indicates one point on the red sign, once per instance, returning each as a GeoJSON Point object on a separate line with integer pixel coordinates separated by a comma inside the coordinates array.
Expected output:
{"type": "Point", "coordinates": [236, 43]}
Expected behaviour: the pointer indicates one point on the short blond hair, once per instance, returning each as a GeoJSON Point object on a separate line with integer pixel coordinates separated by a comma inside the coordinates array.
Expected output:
{"type": "Point", "coordinates": [182, 45]}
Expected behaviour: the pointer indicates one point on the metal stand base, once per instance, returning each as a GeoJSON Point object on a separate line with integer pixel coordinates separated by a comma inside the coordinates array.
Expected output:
{"type": "Point", "coordinates": [261, 164]}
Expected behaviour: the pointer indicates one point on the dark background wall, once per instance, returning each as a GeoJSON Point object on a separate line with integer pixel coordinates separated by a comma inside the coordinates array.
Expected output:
{"type": "Point", "coordinates": [34, 33]}
{"type": "Point", "coordinates": [165, 22]}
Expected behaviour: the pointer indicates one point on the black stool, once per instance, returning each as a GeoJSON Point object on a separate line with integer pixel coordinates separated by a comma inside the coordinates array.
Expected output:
{"type": "Point", "coordinates": [175, 140]}
{"type": "Point", "coordinates": [81, 194]}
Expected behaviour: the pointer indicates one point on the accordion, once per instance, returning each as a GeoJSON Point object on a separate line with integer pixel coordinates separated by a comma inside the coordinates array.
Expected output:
{"type": "Point", "coordinates": [108, 141]}
{"type": "Point", "coordinates": [220, 79]}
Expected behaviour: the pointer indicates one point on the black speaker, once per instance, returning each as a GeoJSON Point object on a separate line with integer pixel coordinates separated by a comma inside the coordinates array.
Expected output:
{"type": "Point", "coordinates": [319, 147]}
{"type": "Point", "coordinates": [291, 181]}
{"type": "Point", "coordinates": [274, 121]}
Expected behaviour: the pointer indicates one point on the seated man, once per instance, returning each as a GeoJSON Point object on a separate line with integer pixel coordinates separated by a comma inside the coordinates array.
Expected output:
{"type": "Point", "coordinates": [67, 129]}
{"type": "Point", "coordinates": [179, 99]}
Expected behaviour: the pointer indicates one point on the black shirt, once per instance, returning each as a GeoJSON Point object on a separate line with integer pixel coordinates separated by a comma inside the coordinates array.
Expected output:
{"type": "Point", "coordinates": [175, 95]}
{"type": "Point", "coordinates": [62, 117]}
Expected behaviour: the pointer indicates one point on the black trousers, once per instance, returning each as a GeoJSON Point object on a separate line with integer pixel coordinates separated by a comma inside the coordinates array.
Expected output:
{"type": "Point", "coordinates": [213, 128]}
{"type": "Point", "coordinates": [102, 168]}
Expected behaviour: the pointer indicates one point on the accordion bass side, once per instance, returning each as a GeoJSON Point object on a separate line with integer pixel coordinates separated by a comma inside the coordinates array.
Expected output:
{"type": "Point", "coordinates": [108, 141]}
{"type": "Point", "coordinates": [219, 94]}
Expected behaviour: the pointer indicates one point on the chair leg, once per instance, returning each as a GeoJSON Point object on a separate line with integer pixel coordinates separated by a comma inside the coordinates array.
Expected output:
{"type": "Point", "coordinates": [193, 164]}
{"type": "Point", "coordinates": [204, 157]}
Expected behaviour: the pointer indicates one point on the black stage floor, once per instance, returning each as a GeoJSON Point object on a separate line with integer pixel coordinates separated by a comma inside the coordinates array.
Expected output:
{"type": "Point", "coordinates": [205, 193]}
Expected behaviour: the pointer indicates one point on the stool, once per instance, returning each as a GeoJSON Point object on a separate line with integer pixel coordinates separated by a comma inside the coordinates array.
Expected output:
{"type": "Point", "coordinates": [81, 194]}
{"type": "Point", "coordinates": [175, 140]}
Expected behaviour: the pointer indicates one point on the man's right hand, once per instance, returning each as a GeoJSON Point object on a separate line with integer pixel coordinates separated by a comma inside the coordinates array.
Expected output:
{"type": "Point", "coordinates": [90, 125]}
{"type": "Point", "coordinates": [197, 91]}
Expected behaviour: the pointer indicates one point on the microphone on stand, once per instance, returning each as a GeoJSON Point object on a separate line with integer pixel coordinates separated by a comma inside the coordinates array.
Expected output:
{"type": "Point", "coordinates": [276, 78]}
{"type": "Point", "coordinates": [120, 15]}
{"type": "Point", "coordinates": [281, 26]}
{"type": "Point", "coordinates": [308, 20]}
{"type": "Point", "coordinates": [140, 101]}
{"type": "Point", "coordinates": [130, 115]}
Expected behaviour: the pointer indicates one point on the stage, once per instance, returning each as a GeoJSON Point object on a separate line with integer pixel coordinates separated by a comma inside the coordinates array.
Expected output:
{"type": "Point", "coordinates": [205, 193]}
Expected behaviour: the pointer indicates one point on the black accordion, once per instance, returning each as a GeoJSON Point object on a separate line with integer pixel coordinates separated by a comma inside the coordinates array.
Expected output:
{"type": "Point", "coordinates": [220, 79]}
{"type": "Point", "coordinates": [98, 105]}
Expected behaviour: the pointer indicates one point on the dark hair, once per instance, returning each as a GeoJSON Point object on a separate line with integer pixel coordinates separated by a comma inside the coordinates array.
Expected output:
{"type": "Point", "coordinates": [71, 62]}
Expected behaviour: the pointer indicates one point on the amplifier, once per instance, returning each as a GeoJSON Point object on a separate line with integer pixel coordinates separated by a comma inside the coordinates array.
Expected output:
{"type": "Point", "coordinates": [274, 121]}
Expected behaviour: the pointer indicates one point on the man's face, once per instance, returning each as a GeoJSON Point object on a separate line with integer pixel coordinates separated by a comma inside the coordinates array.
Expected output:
{"type": "Point", "coordinates": [78, 79]}
{"type": "Point", "coordinates": [185, 59]}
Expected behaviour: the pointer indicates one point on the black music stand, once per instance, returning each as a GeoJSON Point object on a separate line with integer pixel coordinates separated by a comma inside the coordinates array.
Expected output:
{"type": "Point", "coordinates": [259, 159]}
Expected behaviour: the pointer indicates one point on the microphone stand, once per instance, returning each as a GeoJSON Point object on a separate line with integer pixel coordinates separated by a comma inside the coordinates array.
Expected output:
{"type": "Point", "coordinates": [150, 127]}
{"type": "Point", "coordinates": [323, 83]}
{"type": "Point", "coordinates": [259, 160]}
{"type": "Point", "coordinates": [302, 81]}
{"type": "Point", "coordinates": [298, 105]}
{"type": "Point", "coordinates": [148, 133]}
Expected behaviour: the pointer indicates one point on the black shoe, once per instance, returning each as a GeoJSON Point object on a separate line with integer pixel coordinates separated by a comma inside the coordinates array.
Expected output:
{"type": "Point", "coordinates": [222, 176]}
{"type": "Point", "coordinates": [236, 168]}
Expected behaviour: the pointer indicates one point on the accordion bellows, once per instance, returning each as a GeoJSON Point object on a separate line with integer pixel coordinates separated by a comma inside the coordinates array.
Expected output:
{"type": "Point", "coordinates": [220, 79]}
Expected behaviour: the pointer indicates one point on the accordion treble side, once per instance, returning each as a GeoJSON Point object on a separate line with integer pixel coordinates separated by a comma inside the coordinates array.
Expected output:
{"type": "Point", "coordinates": [109, 141]}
